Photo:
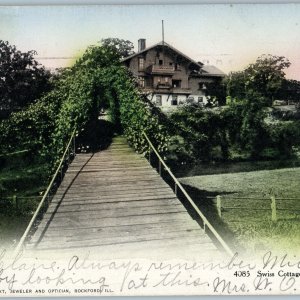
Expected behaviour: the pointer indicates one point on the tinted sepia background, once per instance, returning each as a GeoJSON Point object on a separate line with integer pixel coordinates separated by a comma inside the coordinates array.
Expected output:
{"type": "Point", "coordinates": [151, 132]}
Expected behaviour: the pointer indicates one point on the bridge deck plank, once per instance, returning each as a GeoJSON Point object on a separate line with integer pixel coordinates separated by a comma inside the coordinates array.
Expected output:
{"type": "Point", "coordinates": [112, 200]}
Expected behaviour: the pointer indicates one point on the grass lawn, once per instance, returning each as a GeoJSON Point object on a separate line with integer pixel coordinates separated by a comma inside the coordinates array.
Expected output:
{"type": "Point", "coordinates": [26, 178]}
{"type": "Point", "coordinates": [247, 222]}
{"type": "Point", "coordinates": [12, 228]}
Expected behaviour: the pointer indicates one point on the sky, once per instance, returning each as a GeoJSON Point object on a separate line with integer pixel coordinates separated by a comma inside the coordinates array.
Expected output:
{"type": "Point", "coordinates": [227, 36]}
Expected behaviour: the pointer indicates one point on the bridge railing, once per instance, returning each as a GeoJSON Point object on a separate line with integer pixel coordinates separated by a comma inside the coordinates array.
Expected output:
{"type": "Point", "coordinates": [69, 152]}
{"type": "Point", "coordinates": [177, 185]}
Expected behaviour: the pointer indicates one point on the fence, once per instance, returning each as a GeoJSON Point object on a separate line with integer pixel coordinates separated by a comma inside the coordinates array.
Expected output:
{"type": "Point", "coordinates": [20, 204]}
{"type": "Point", "coordinates": [274, 206]}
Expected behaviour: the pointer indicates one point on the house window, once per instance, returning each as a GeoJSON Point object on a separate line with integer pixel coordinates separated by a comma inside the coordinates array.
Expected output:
{"type": "Point", "coordinates": [202, 86]}
{"type": "Point", "coordinates": [142, 81]}
{"type": "Point", "coordinates": [200, 99]}
{"type": "Point", "coordinates": [141, 64]}
{"type": "Point", "coordinates": [190, 100]}
{"type": "Point", "coordinates": [158, 101]}
{"type": "Point", "coordinates": [160, 62]}
{"type": "Point", "coordinates": [176, 83]}
{"type": "Point", "coordinates": [174, 100]}
{"type": "Point", "coordinates": [171, 64]}
{"type": "Point", "coordinates": [177, 67]}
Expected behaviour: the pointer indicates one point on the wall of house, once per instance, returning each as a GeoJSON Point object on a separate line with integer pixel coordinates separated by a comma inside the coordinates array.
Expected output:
{"type": "Point", "coordinates": [183, 76]}
{"type": "Point", "coordinates": [151, 58]}
{"type": "Point", "coordinates": [189, 83]}
{"type": "Point", "coordinates": [194, 84]}
{"type": "Point", "coordinates": [166, 99]}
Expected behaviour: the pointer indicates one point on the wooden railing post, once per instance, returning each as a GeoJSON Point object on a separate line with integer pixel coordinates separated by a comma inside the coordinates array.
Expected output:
{"type": "Point", "coordinates": [74, 146]}
{"type": "Point", "coordinates": [16, 202]}
{"type": "Point", "coordinates": [273, 207]}
{"type": "Point", "coordinates": [68, 159]}
{"type": "Point", "coordinates": [159, 167]}
{"type": "Point", "coordinates": [149, 155]}
{"type": "Point", "coordinates": [219, 206]}
{"type": "Point", "coordinates": [61, 173]}
{"type": "Point", "coordinates": [47, 200]}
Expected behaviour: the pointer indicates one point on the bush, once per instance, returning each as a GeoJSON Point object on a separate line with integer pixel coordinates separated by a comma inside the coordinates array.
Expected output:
{"type": "Point", "coordinates": [284, 136]}
{"type": "Point", "coordinates": [203, 131]}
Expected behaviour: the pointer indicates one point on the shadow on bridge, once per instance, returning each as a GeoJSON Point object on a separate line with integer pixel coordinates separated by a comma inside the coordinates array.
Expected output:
{"type": "Point", "coordinates": [205, 201]}
{"type": "Point", "coordinates": [96, 136]}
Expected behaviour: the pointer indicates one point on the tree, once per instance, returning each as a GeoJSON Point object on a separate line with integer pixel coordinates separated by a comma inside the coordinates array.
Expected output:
{"type": "Point", "coordinates": [98, 57]}
{"type": "Point", "coordinates": [245, 120]}
{"type": "Point", "coordinates": [290, 90]}
{"type": "Point", "coordinates": [236, 85]}
{"type": "Point", "coordinates": [265, 77]}
{"type": "Point", "coordinates": [203, 132]}
{"type": "Point", "coordinates": [22, 79]}
{"type": "Point", "coordinates": [123, 47]}
{"type": "Point", "coordinates": [216, 91]}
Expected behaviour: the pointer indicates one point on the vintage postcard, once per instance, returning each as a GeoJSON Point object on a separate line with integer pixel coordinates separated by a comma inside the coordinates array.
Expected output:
{"type": "Point", "coordinates": [150, 150]}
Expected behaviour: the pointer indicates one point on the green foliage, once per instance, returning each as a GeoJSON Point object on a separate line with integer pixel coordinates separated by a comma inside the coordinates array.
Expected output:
{"type": "Point", "coordinates": [216, 91]}
{"type": "Point", "coordinates": [22, 79]}
{"type": "Point", "coordinates": [266, 74]}
{"type": "Point", "coordinates": [265, 77]}
{"type": "Point", "coordinates": [284, 136]}
{"type": "Point", "coordinates": [123, 47]}
{"type": "Point", "coordinates": [246, 125]}
{"type": "Point", "coordinates": [235, 84]}
{"type": "Point", "coordinates": [137, 114]}
{"type": "Point", "coordinates": [96, 57]}
{"type": "Point", "coordinates": [30, 128]}
{"type": "Point", "coordinates": [203, 131]}
{"type": "Point", "coordinates": [249, 130]}
{"type": "Point", "coordinates": [253, 131]}
{"type": "Point", "coordinates": [96, 80]}
{"type": "Point", "coordinates": [290, 90]}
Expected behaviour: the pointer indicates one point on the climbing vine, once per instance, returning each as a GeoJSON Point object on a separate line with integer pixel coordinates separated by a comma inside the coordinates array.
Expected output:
{"type": "Point", "coordinates": [96, 80]}
{"type": "Point", "coordinates": [136, 112]}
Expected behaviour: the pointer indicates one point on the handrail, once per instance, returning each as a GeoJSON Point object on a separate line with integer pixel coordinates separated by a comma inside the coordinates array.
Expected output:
{"type": "Point", "coordinates": [178, 184]}
{"type": "Point", "coordinates": [33, 219]}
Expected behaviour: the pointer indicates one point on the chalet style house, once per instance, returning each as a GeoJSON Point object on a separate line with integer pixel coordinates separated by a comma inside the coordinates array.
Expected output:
{"type": "Point", "coordinates": [170, 78]}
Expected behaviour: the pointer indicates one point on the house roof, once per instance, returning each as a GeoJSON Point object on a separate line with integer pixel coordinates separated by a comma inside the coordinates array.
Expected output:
{"type": "Point", "coordinates": [208, 70]}
{"type": "Point", "coordinates": [163, 44]}
{"type": "Point", "coordinates": [212, 70]}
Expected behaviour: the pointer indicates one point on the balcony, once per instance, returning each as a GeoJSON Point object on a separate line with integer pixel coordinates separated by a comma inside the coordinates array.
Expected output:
{"type": "Point", "coordinates": [163, 86]}
{"type": "Point", "coordinates": [161, 70]}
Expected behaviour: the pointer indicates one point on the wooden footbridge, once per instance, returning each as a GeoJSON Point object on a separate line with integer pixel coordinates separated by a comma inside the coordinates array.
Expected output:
{"type": "Point", "coordinates": [115, 203]}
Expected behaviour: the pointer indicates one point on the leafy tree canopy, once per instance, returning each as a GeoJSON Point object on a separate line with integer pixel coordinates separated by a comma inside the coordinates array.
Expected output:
{"type": "Point", "coordinates": [123, 47]}
{"type": "Point", "coordinates": [22, 78]}
{"type": "Point", "coordinates": [265, 76]}
{"type": "Point", "coordinates": [290, 90]}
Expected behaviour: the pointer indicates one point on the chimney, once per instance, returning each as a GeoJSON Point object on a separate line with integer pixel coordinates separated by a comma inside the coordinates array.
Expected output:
{"type": "Point", "coordinates": [141, 44]}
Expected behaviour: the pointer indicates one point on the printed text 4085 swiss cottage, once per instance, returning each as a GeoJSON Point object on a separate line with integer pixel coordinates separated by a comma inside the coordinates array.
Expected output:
{"type": "Point", "coordinates": [169, 77]}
